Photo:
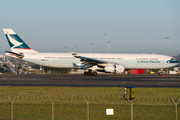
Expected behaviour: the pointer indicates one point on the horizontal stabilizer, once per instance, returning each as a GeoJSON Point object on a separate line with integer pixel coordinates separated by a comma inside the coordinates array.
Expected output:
{"type": "Point", "coordinates": [18, 55]}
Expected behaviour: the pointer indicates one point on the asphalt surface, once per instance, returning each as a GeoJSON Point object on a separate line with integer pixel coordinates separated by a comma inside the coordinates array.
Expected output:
{"type": "Point", "coordinates": [91, 81]}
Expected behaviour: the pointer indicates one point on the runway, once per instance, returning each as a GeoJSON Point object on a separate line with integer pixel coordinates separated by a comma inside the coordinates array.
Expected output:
{"type": "Point", "coordinates": [91, 81]}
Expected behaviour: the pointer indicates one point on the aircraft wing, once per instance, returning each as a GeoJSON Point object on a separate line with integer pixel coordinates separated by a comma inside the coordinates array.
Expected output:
{"type": "Point", "coordinates": [92, 61]}
{"type": "Point", "coordinates": [97, 64]}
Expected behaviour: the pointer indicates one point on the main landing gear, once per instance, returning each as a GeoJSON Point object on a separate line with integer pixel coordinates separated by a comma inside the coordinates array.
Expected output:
{"type": "Point", "coordinates": [90, 73]}
{"type": "Point", "coordinates": [162, 74]}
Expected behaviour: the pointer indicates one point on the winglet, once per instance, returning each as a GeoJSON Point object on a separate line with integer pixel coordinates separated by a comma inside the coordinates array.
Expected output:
{"type": "Point", "coordinates": [75, 55]}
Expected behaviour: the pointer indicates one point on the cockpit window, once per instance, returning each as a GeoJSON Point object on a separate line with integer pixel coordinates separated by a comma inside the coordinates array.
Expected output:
{"type": "Point", "coordinates": [173, 59]}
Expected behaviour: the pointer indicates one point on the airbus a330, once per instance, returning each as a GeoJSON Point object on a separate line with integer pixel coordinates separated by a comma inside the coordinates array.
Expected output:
{"type": "Point", "coordinates": [90, 62]}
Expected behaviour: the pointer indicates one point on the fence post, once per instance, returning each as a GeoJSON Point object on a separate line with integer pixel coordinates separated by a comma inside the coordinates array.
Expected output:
{"type": "Point", "coordinates": [52, 111]}
{"type": "Point", "coordinates": [53, 107]}
{"type": "Point", "coordinates": [11, 106]}
{"type": "Point", "coordinates": [87, 107]}
{"type": "Point", "coordinates": [131, 107]}
{"type": "Point", "coordinates": [176, 103]}
{"type": "Point", "coordinates": [12, 111]}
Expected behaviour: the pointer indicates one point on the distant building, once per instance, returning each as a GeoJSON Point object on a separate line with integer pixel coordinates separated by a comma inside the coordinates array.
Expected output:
{"type": "Point", "coordinates": [1, 57]}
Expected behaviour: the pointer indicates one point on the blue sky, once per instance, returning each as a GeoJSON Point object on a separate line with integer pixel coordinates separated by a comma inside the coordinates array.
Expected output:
{"type": "Point", "coordinates": [132, 26]}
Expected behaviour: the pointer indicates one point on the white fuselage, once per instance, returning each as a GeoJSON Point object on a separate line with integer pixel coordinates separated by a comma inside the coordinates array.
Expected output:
{"type": "Point", "coordinates": [130, 61]}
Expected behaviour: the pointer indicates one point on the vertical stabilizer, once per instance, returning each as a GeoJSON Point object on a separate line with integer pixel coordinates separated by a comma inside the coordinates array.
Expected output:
{"type": "Point", "coordinates": [16, 43]}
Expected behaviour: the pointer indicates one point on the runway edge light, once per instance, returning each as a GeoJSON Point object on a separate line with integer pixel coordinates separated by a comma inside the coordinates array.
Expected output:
{"type": "Point", "coordinates": [110, 111]}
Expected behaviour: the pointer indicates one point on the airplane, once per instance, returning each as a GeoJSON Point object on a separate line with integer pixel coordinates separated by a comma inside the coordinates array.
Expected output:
{"type": "Point", "coordinates": [90, 62]}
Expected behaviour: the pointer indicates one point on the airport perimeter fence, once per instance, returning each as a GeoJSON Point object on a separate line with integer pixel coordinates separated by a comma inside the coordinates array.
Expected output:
{"type": "Point", "coordinates": [88, 105]}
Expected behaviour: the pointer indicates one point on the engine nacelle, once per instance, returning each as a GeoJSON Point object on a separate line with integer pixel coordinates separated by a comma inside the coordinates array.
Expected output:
{"type": "Point", "coordinates": [114, 68]}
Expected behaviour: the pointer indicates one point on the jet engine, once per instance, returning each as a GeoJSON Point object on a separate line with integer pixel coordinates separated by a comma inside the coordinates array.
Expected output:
{"type": "Point", "coordinates": [114, 68]}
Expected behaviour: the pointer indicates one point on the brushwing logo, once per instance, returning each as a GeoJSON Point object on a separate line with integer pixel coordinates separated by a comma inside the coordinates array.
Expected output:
{"type": "Point", "coordinates": [13, 41]}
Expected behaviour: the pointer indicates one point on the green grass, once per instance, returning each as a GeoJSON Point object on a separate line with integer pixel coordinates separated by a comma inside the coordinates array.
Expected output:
{"type": "Point", "coordinates": [30, 89]}
{"type": "Point", "coordinates": [69, 108]}
{"type": "Point", "coordinates": [79, 112]}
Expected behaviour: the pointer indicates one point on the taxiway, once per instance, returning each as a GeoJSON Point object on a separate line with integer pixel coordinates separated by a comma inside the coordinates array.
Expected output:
{"type": "Point", "coordinates": [90, 81]}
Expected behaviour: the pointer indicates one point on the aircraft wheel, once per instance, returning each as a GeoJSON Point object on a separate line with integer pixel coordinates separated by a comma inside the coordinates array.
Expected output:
{"type": "Point", "coordinates": [94, 73]}
{"type": "Point", "coordinates": [89, 73]}
{"type": "Point", "coordinates": [85, 73]}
